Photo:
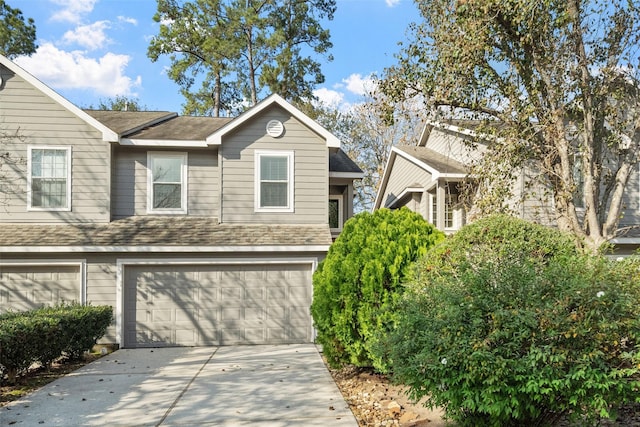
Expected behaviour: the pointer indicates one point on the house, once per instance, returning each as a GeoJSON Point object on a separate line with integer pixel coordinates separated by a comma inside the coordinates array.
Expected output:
{"type": "Point", "coordinates": [198, 231]}
{"type": "Point", "coordinates": [428, 178]}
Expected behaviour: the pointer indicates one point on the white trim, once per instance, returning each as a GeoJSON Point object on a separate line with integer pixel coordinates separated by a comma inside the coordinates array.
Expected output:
{"type": "Point", "coordinates": [164, 143]}
{"type": "Point", "coordinates": [404, 193]}
{"type": "Point", "coordinates": [80, 263]}
{"type": "Point", "coordinates": [30, 148]}
{"type": "Point", "coordinates": [216, 137]}
{"type": "Point", "coordinates": [626, 240]}
{"type": "Point", "coordinates": [151, 155]}
{"type": "Point", "coordinates": [340, 199]}
{"type": "Point", "coordinates": [107, 134]}
{"type": "Point", "coordinates": [122, 263]}
{"type": "Point", "coordinates": [351, 175]}
{"type": "Point", "coordinates": [435, 174]}
{"type": "Point", "coordinates": [290, 180]}
{"type": "Point", "coordinates": [163, 249]}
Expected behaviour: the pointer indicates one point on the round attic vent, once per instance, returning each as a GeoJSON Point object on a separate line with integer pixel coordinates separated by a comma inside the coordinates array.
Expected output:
{"type": "Point", "coordinates": [275, 128]}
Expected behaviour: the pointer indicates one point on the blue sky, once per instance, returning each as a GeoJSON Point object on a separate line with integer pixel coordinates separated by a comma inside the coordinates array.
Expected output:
{"type": "Point", "coordinates": [91, 50]}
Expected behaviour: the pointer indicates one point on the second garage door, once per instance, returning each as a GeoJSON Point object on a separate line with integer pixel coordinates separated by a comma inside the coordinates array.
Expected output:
{"type": "Point", "coordinates": [191, 305]}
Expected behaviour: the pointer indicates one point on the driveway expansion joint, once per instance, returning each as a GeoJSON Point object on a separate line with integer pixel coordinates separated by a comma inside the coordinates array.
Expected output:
{"type": "Point", "coordinates": [186, 388]}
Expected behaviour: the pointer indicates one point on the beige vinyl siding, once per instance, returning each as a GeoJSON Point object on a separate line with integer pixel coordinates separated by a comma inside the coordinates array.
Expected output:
{"type": "Point", "coordinates": [403, 174]}
{"type": "Point", "coordinates": [310, 171]}
{"type": "Point", "coordinates": [452, 145]}
{"type": "Point", "coordinates": [130, 182]}
{"type": "Point", "coordinates": [631, 214]}
{"type": "Point", "coordinates": [39, 121]}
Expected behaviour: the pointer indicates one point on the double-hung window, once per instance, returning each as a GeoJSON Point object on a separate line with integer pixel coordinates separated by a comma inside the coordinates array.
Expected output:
{"type": "Point", "coordinates": [167, 183]}
{"type": "Point", "coordinates": [49, 179]}
{"type": "Point", "coordinates": [274, 181]}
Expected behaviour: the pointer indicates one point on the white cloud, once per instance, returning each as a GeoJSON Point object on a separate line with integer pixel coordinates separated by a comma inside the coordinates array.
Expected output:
{"type": "Point", "coordinates": [127, 20]}
{"type": "Point", "coordinates": [72, 10]}
{"type": "Point", "coordinates": [73, 70]}
{"type": "Point", "coordinates": [359, 85]}
{"type": "Point", "coordinates": [392, 3]}
{"type": "Point", "coordinates": [329, 97]}
{"type": "Point", "coordinates": [90, 36]}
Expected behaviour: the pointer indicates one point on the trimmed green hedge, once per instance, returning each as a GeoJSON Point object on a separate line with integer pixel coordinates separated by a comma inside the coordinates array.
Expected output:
{"type": "Point", "coordinates": [45, 334]}
{"type": "Point", "coordinates": [361, 277]}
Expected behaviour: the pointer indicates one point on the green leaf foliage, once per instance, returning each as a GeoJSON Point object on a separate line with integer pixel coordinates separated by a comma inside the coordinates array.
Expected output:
{"type": "Point", "coordinates": [43, 335]}
{"type": "Point", "coordinates": [361, 278]}
{"type": "Point", "coordinates": [506, 323]}
{"type": "Point", "coordinates": [17, 36]}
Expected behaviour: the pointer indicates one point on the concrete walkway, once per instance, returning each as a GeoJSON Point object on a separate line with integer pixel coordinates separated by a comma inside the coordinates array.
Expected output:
{"type": "Point", "coordinates": [284, 385]}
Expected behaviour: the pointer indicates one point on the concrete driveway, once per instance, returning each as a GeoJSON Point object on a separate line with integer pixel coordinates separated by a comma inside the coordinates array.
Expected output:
{"type": "Point", "coordinates": [284, 385]}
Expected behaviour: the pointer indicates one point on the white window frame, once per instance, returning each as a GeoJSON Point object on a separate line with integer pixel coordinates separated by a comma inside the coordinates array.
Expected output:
{"type": "Point", "coordinates": [151, 156]}
{"type": "Point", "coordinates": [30, 207]}
{"type": "Point", "coordinates": [433, 213]}
{"type": "Point", "coordinates": [340, 200]}
{"type": "Point", "coordinates": [450, 208]}
{"type": "Point", "coordinates": [290, 181]}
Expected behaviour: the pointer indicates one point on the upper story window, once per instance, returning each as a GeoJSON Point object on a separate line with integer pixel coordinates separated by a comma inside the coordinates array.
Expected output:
{"type": "Point", "coordinates": [274, 181]}
{"type": "Point", "coordinates": [49, 179]}
{"type": "Point", "coordinates": [167, 183]}
{"type": "Point", "coordinates": [335, 213]}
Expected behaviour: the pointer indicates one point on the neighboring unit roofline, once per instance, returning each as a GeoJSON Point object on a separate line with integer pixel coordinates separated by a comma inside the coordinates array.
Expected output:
{"type": "Point", "coordinates": [150, 123]}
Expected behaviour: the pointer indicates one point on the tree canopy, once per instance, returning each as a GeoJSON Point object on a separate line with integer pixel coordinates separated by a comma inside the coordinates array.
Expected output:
{"type": "Point", "coordinates": [555, 86]}
{"type": "Point", "coordinates": [17, 36]}
{"type": "Point", "coordinates": [226, 53]}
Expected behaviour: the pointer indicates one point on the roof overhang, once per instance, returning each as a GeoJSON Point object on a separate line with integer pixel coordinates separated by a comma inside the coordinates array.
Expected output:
{"type": "Point", "coordinates": [107, 134]}
{"type": "Point", "coordinates": [163, 143]}
{"type": "Point", "coordinates": [162, 249]}
{"type": "Point", "coordinates": [349, 175]}
{"type": "Point", "coordinates": [216, 137]}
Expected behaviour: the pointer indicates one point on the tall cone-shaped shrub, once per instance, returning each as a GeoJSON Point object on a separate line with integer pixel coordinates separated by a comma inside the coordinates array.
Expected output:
{"type": "Point", "coordinates": [361, 278]}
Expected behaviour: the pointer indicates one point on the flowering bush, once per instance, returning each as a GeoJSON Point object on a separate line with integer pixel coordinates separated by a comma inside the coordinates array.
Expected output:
{"type": "Point", "coordinates": [361, 278]}
{"type": "Point", "coordinates": [507, 324]}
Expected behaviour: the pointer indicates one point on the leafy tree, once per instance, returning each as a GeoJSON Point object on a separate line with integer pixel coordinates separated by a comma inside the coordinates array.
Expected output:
{"type": "Point", "coordinates": [120, 103]}
{"type": "Point", "coordinates": [361, 278]}
{"type": "Point", "coordinates": [367, 139]}
{"type": "Point", "coordinates": [17, 36]}
{"type": "Point", "coordinates": [555, 84]}
{"type": "Point", "coordinates": [235, 49]}
{"type": "Point", "coordinates": [507, 323]}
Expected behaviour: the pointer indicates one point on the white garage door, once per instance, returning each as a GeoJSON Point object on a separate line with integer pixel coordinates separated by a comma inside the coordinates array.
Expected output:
{"type": "Point", "coordinates": [217, 305]}
{"type": "Point", "coordinates": [28, 287]}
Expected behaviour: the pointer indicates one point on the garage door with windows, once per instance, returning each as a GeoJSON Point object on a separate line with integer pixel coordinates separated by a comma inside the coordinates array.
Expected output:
{"type": "Point", "coordinates": [25, 287]}
{"type": "Point", "coordinates": [217, 304]}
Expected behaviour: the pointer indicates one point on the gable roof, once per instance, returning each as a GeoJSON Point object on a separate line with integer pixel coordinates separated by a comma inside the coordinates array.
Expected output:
{"type": "Point", "coordinates": [438, 165]}
{"type": "Point", "coordinates": [216, 137]}
{"type": "Point", "coordinates": [107, 133]}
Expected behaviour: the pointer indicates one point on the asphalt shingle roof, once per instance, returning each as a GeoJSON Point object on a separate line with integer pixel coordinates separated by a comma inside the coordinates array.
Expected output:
{"type": "Point", "coordinates": [164, 231]}
{"type": "Point", "coordinates": [123, 122]}
{"type": "Point", "coordinates": [186, 128]}
{"type": "Point", "coordinates": [339, 161]}
{"type": "Point", "coordinates": [434, 159]}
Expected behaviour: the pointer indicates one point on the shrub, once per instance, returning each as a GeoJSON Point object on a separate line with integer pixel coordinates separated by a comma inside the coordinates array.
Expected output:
{"type": "Point", "coordinates": [45, 334]}
{"type": "Point", "coordinates": [507, 324]}
{"type": "Point", "coordinates": [361, 277]}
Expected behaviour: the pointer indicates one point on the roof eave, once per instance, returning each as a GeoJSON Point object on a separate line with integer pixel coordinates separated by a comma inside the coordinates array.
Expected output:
{"type": "Point", "coordinates": [164, 143]}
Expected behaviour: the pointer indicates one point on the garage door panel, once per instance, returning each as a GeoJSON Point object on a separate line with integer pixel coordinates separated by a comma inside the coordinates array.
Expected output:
{"type": "Point", "coordinates": [25, 287]}
{"type": "Point", "coordinates": [218, 304]}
